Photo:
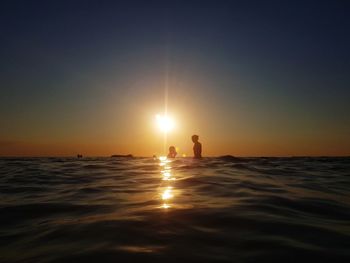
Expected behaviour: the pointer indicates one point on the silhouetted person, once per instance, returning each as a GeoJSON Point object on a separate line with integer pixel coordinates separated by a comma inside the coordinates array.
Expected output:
{"type": "Point", "coordinates": [197, 147]}
{"type": "Point", "coordinates": [172, 152]}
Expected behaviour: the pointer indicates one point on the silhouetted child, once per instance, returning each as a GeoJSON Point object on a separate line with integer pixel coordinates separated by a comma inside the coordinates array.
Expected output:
{"type": "Point", "coordinates": [172, 152]}
{"type": "Point", "coordinates": [197, 147]}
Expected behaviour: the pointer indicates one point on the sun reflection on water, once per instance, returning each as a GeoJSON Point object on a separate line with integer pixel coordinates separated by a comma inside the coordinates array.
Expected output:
{"type": "Point", "coordinates": [165, 206]}
{"type": "Point", "coordinates": [167, 194]}
{"type": "Point", "coordinates": [167, 191]}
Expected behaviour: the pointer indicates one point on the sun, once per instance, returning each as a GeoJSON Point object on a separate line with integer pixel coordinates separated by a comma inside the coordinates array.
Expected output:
{"type": "Point", "coordinates": [165, 123]}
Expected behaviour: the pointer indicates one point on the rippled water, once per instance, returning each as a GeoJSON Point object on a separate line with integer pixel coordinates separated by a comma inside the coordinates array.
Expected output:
{"type": "Point", "coordinates": [217, 209]}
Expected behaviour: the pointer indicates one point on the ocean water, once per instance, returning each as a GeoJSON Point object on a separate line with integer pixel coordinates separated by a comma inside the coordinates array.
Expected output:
{"type": "Point", "coordinates": [223, 209]}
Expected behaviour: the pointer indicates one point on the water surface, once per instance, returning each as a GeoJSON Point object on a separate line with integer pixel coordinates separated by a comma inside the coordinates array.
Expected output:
{"type": "Point", "coordinates": [222, 209]}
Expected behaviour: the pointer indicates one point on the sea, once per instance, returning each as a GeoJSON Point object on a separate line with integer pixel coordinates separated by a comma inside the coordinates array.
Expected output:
{"type": "Point", "coordinates": [215, 209]}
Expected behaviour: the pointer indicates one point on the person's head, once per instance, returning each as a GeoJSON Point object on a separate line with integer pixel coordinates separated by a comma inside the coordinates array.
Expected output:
{"type": "Point", "coordinates": [195, 138]}
{"type": "Point", "coordinates": [172, 149]}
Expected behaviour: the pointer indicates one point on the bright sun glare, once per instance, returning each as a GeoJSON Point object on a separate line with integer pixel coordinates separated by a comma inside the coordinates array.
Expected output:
{"type": "Point", "coordinates": [165, 123]}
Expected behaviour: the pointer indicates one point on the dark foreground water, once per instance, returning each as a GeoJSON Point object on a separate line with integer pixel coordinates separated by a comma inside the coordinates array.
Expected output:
{"type": "Point", "coordinates": [143, 210]}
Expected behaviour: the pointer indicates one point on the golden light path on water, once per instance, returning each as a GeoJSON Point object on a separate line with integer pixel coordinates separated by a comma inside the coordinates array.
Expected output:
{"type": "Point", "coordinates": [167, 189]}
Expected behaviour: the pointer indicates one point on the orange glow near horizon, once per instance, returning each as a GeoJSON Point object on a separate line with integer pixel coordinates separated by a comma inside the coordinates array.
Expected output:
{"type": "Point", "coordinates": [150, 144]}
{"type": "Point", "coordinates": [136, 131]}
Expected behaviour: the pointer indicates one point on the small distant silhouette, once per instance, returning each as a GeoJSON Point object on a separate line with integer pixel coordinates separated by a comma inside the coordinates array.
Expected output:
{"type": "Point", "coordinates": [79, 156]}
{"type": "Point", "coordinates": [122, 156]}
{"type": "Point", "coordinates": [172, 152]}
{"type": "Point", "coordinates": [197, 147]}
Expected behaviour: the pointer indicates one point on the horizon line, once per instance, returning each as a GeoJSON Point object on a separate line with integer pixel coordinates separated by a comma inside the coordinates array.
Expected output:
{"type": "Point", "coordinates": [208, 156]}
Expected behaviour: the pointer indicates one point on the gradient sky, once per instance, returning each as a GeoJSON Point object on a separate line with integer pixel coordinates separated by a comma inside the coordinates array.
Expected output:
{"type": "Point", "coordinates": [252, 78]}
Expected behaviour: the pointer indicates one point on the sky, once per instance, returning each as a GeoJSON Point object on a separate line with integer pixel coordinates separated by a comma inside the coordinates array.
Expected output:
{"type": "Point", "coordinates": [251, 78]}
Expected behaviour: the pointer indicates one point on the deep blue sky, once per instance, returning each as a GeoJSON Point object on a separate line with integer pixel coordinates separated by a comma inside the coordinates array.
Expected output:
{"type": "Point", "coordinates": [280, 68]}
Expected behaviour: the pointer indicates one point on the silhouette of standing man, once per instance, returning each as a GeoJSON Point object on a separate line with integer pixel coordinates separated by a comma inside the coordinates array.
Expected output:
{"type": "Point", "coordinates": [197, 147]}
